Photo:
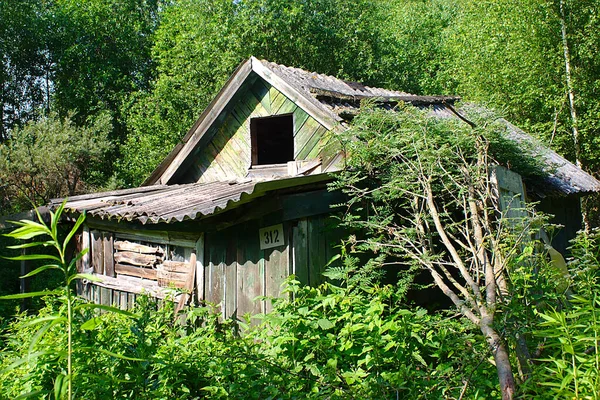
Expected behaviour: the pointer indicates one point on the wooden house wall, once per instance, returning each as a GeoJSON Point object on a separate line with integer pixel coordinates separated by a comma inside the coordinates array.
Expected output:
{"type": "Point", "coordinates": [237, 271]}
{"type": "Point", "coordinates": [227, 154]}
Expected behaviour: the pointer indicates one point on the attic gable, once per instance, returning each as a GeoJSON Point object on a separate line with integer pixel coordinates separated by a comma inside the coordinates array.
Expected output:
{"type": "Point", "coordinates": [230, 148]}
{"type": "Point", "coordinates": [174, 166]}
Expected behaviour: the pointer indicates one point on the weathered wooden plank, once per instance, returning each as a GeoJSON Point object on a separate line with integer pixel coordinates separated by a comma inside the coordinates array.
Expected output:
{"type": "Point", "coordinates": [140, 272]}
{"type": "Point", "coordinates": [96, 294]}
{"type": "Point", "coordinates": [78, 249]}
{"type": "Point", "coordinates": [304, 135]}
{"type": "Point", "coordinates": [200, 270]}
{"type": "Point", "coordinates": [319, 146]}
{"type": "Point", "coordinates": [311, 143]}
{"type": "Point", "coordinates": [277, 102]}
{"type": "Point", "coordinates": [123, 300]}
{"type": "Point", "coordinates": [86, 244]}
{"type": "Point", "coordinates": [130, 301]}
{"type": "Point", "coordinates": [124, 245]}
{"type": "Point", "coordinates": [106, 296]}
{"type": "Point", "coordinates": [300, 117]}
{"type": "Point", "coordinates": [230, 293]}
{"type": "Point", "coordinates": [255, 105]}
{"type": "Point", "coordinates": [97, 252]}
{"type": "Point", "coordinates": [175, 266]}
{"type": "Point", "coordinates": [250, 284]}
{"type": "Point", "coordinates": [316, 250]}
{"type": "Point", "coordinates": [109, 262]}
{"type": "Point", "coordinates": [287, 107]}
{"type": "Point", "coordinates": [141, 260]}
{"type": "Point", "coordinates": [276, 269]}
{"type": "Point", "coordinates": [227, 148]}
{"type": "Point", "coordinates": [330, 151]}
{"type": "Point", "coordinates": [263, 279]}
{"type": "Point", "coordinates": [300, 251]}
{"type": "Point", "coordinates": [165, 278]}
{"type": "Point", "coordinates": [216, 270]}
{"type": "Point", "coordinates": [116, 298]}
{"type": "Point", "coordinates": [300, 205]}
{"type": "Point", "coordinates": [261, 92]}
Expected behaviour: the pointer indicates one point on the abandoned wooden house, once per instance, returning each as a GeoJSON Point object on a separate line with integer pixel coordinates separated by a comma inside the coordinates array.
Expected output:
{"type": "Point", "coordinates": [241, 202]}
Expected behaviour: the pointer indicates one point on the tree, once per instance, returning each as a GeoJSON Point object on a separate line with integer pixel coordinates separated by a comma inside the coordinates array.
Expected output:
{"type": "Point", "coordinates": [423, 191]}
{"type": "Point", "coordinates": [199, 44]}
{"type": "Point", "coordinates": [51, 158]}
{"type": "Point", "coordinates": [24, 63]}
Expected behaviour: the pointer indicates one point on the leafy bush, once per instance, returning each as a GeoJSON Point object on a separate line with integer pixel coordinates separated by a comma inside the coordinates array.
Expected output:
{"type": "Point", "coordinates": [323, 343]}
{"type": "Point", "coordinates": [570, 334]}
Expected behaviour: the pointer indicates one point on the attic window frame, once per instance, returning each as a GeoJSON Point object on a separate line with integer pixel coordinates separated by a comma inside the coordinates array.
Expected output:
{"type": "Point", "coordinates": [254, 142]}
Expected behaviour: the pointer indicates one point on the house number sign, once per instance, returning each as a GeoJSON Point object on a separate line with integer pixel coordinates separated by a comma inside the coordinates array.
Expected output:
{"type": "Point", "coordinates": [271, 236]}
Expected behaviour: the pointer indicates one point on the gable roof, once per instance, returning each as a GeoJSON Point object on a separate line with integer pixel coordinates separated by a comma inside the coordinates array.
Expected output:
{"type": "Point", "coordinates": [332, 101]}
{"type": "Point", "coordinates": [309, 90]}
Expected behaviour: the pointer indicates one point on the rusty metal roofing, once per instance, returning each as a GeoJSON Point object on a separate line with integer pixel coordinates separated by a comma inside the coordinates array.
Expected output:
{"type": "Point", "coordinates": [176, 203]}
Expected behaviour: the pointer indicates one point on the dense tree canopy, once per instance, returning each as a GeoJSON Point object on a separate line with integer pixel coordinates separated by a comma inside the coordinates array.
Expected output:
{"type": "Point", "coordinates": [154, 65]}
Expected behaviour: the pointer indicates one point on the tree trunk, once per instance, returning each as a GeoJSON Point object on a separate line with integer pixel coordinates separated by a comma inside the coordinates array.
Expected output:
{"type": "Point", "coordinates": [505, 375]}
{"type": "Point", "coordinates": [569, 82]}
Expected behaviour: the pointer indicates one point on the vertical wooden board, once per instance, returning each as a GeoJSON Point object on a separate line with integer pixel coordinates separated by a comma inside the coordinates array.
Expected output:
{"type": "Point", "coordinates": [300, 251]}
{"type": "Point", "coordinates": [215, 269]}
{"type": "Point", "coordinates": [276, 269]}
{"type": "Point", "coordinates": [305, 133]}
{"type": "Point", "coordinates": [262, 93]}
{"type": "Point", "coordinates": [106, 296]}
{"type": "Point", "coordinates": [250, 282]}
{"type": "Point", "coordinates": [108, 250]}
{"type": "Point", "coordinates": [311, 143]}
{"type": "Point", "coordinates": [130, 301]}
{"type": "Point", "coordinates": [96, 294]}
{"type": "Point", "coordinates": [123, 301]}
{"type": "Point", "coordinates": [116, 298]}
{"type": "Point", "coordinates": [300, 117]}
{"type": "Point", "coordinates": [287, 107]}
{"type": "Point", "coordinates": [85, 244]}
{"type": "Point", "coordinates": [97, 252]}
{"type": "Point", "coordinates": [200, 257]}
{"type": "Point", "coordinates": [316, 251]}
{"type": "Point", "coordinates": [230, 289]}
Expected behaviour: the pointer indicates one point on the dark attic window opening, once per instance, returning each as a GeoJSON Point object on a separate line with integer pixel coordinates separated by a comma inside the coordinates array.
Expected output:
{"type": "Point", "coordinates": [272, 139]}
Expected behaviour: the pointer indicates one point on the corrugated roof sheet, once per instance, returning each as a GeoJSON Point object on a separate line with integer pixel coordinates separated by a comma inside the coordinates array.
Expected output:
{"type": "Point", "coordinates": [563, 177]}
{"type": "Point", "coordinates": [176, 203]}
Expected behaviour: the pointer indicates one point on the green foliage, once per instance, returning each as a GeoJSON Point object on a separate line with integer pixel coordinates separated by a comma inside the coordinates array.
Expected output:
{"type": "Point", "coordinates": [324, 343]}
{"type": "Point", "coordinates": [51, 158]}
{"type": "Point", "coordinates": [47, 235]}
{"type": "Point", "coordinates": [24, 63]}
{"type": "Point", "coordinates": [569, 366]}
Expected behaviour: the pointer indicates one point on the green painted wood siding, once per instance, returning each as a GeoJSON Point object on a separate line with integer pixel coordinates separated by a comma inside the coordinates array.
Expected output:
{"type": "Point", "coordinates": [227, 154]}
